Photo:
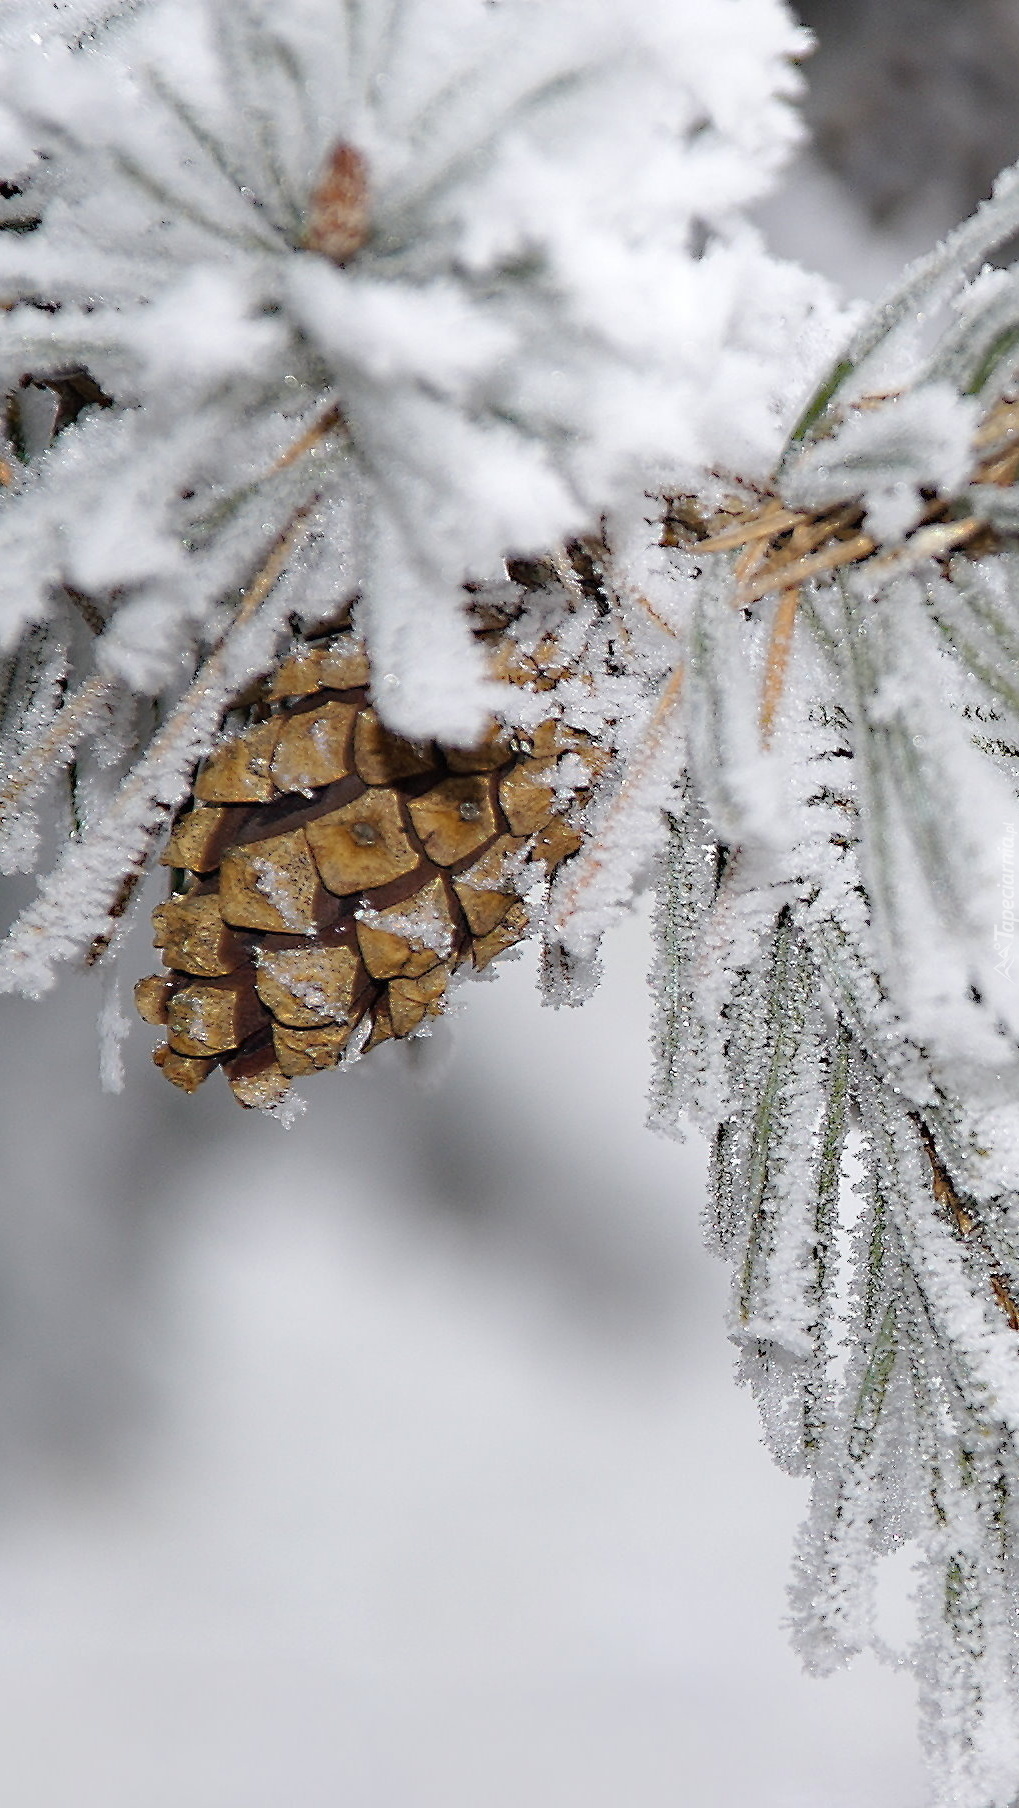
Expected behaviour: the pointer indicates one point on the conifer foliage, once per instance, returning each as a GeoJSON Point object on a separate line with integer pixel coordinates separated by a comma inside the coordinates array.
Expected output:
{"type": "Point", "coordinates": [403, 513]}
{"type": "Point", "coordinates": [836, 936]}
{"type": "Point", "coordinates": [543, 296]}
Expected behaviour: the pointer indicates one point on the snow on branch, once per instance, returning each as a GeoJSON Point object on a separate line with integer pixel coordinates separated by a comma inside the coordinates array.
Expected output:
{"type": "Point", "coordinates": [524, 323]}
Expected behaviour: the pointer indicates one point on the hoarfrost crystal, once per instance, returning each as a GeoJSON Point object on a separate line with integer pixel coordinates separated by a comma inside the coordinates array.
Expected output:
{"type": "Point", "coordinates": [836, 908]}
{"type": "Point", "coordinates": [400, 307]}
{"type": "Point", "coordinates": [538, 304]}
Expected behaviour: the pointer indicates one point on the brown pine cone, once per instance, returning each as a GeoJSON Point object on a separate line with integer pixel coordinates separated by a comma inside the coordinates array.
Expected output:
{"type": "Point", "coordinates": [330, 876]}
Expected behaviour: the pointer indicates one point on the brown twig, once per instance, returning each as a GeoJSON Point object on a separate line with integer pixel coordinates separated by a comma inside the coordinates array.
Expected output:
{"type": "Point", "coordinates": [798, 571]}
{"type": "Point", "coordinates": [966, 1223]}
{"type": "Point", "coordinates": [825, 541]}
{"type": "Point", "coordinates": [765, 525]}
{"type": "Point", "coordinates": [780, 646]}
{"type": "Point", "coordinates": [567, 574]}
{"type": "Point", "coordinates": [318, 431]}
{"type": "Point", "coordinates": [57, 745]}
{"type": "Point", "coordinates": [930, 542]}
{"type": "Point", "coordinates": [653, 614]}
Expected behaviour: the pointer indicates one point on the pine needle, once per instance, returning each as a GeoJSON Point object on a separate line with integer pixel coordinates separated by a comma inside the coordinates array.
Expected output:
{"type": "Point", "coordinates": [76, 719]}
{"type": "Point", "coordinates": [779, 648]}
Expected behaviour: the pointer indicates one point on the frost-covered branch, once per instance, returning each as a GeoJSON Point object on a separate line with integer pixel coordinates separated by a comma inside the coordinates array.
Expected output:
{"type": "Point", "coordinates": [443, 319]}
{"type": "Point", "coordinates": [468, 275]}
{"type": "Point", "coordinates": [836, 933]}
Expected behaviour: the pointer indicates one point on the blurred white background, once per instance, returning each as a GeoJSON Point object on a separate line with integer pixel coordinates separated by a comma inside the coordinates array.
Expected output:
{"type": "Point", "coordinates": [396, 1461]}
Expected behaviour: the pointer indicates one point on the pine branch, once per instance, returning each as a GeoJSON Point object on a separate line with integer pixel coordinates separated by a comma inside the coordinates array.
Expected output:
{"type": "Point", "coordinates": [839, 954]}
{"type": "Point", "coordinates": [79, 903]}
{"type": "Point", "coordinates": [422, 298]}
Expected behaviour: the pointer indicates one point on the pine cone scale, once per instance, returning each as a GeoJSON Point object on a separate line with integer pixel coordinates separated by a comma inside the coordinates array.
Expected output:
{"type": "Point", "coordinates": [455, 819]}
{"type": "Point", "coordinates": [363, 845]}
{"type": "Point", "coordinates": [273, 884]}
{"type": "Point", "coordinates": [193, 937]}
{"type": "Point", "coordinates": [315, 748]}
{"type": "Point", "coordinates": [201, 838]}
{"type": "Point", "coordinates": [212, 1017]}
{"type": "Point", "coordinates": [305, 987]}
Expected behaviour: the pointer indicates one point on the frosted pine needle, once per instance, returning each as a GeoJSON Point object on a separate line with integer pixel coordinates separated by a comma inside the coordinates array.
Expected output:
{"type": "Point", "coordinates": [836, 927]}
{"type": "Point", "coordinates": [397, 312]}
{"type": "Point", "coordinates": [449, 275]}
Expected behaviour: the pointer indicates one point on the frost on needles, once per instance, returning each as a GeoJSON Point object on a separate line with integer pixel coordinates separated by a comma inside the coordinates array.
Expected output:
{"type": "Point", "coordinates": [352, 300]}
{"type": "Point", "coordinates": [837, 965]}
{"type": "Point", "coordinates": [555, 301]}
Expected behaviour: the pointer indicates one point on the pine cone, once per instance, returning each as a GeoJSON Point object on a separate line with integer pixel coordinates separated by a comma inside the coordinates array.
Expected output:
{"type": "Point", "coordinates": [330, 876]}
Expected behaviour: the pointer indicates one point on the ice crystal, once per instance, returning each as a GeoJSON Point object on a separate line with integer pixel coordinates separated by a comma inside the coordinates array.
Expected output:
{"type": "Point", "coordinates": [521, 335]}
{"type": "Point", "coordinates": [836, 926]}
{"type": "Point", "coordinates": [411, 303]}
{"type": "Point", "coordinates": [400, 286]}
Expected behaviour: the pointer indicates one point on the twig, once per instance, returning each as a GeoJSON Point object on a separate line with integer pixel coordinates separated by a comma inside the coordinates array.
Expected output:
{"type": "Point", "coordinates": [764, 526]}
{"type": "Point", "coordinates": [318, 431]}
{"type": "Point", "coordinates": [929, 543]}
{"type": "Point", "coordinates": [777, 664]}
{"type": "Point", "coordinates": [57, 745]}
{"type": "Point", "coordinates": [566, 573]}
{"type": "Point", "coordinates": [798, 571]}
{"type": "Point", "coordinates": [967, 1225]}
{"type": "Point", "coordinates": [642, 602]}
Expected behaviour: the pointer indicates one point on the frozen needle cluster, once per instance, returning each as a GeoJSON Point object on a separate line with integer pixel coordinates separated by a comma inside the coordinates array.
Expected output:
{"type": "Point", "coordinates": [350, 302]}
{"type": "Point", "coordinates": [366, 294]}
{"type": "Point", "coordinates": [838, 971]}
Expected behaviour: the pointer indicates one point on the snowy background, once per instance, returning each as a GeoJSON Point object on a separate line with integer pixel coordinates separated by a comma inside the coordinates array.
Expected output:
{"type": "Point", "coordinates": [396, 1460]}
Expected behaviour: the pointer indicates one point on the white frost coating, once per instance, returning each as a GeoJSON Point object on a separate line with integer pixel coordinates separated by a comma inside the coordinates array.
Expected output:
{"type": "Point", "coordinates": [201, 332]}
{"type": "Point", "coordinates": [524, 335]}
{"type": "Point", "coordinates": [114, 1028]}
{"type": "Point", "coordinates": [422, 927]}
{"type": "Point", "coordinates": [308, 991]}
{"type": "Point", "coordinates": [745, 785]}
{"type": "Point", "coordinates": [64, 20]}
{"type": "Point", "coordinates": [24, 777]}
{"type": "Point", "coordinates": [354, 1045]}
{"type": "Point", "coordinates": [74, 903]}
{"type": "Point", "coordinates": [779, 1304]}
{"type": "Point", "coordinates": [279, 894]}
{"type": "Point", "coordinates": [424, 655]}
{"type": "Point", "coordinates": [884, 454]}
{"type": "Point", "coordinates": [430, 334]}
{"type": "Point", "coordinates": [625, 831]}
{"type": "Point", "coordinates": [286, 1112]}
